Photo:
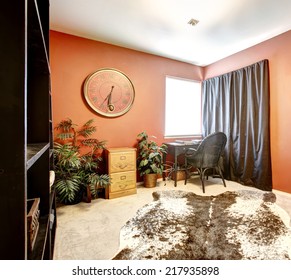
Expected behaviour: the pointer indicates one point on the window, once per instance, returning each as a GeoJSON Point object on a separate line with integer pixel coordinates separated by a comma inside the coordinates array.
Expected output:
{"type": "Point", "coordinates": [183, 107]}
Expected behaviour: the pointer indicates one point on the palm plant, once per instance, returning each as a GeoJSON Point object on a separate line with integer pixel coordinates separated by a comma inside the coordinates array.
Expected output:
{"type": "Point", "coordinates": [76, 171]}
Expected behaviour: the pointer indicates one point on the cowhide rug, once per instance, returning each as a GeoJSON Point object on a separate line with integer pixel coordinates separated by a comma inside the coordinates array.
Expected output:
{"type": "Point", "coordinates": [181, 225]}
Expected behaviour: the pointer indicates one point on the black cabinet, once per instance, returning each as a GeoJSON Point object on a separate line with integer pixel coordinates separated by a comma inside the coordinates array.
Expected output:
{"type": "Point", "coordinates": [26, 130]}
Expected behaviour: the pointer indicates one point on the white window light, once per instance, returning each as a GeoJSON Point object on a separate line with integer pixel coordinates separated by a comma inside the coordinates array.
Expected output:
{"type": "Point", "coordinates": [183, 107]}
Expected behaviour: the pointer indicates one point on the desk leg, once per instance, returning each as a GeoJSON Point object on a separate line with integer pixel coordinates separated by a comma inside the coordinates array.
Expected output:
{"type": "Point", "coordinates": [164, 161]}
{"type": "Point", "coordinates": [175, 169]}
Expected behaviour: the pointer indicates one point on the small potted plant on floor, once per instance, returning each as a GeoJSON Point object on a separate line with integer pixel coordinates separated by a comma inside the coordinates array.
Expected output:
{"type": "Point", "coordinates": [150, 159]}
{"type": "Point", "coordinates": [76, 163]}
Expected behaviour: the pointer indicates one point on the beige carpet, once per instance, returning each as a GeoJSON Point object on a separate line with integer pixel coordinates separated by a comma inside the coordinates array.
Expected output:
{"type": "Point", "coordinates": [91, 231]}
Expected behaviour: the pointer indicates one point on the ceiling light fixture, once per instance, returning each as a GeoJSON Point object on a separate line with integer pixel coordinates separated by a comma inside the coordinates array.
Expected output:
{"type": "Point", "coordinates": [193, 21]}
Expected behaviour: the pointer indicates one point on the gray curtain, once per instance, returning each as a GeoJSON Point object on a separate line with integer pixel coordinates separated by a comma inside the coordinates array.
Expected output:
{"type": "Point", "coordinates": [237, 103]}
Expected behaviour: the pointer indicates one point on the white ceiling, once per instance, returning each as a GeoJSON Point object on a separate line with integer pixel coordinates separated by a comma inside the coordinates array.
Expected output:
{"type": "Point", "coordinates": [161, 27]}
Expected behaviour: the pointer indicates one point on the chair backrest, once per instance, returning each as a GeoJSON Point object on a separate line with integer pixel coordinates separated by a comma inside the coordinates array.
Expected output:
{"type": "Point", "coordinates": [210, 150]}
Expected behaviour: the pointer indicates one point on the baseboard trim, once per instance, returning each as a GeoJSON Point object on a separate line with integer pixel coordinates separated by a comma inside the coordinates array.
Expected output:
{"type": "Point", "coordinates": [138, 184]}
{"type": "Point", "coordinates": [282, 193]}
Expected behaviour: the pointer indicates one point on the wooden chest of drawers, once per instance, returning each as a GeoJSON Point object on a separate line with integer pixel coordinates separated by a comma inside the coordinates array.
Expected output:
{"type": "Point", "coordinates": [121, 164]}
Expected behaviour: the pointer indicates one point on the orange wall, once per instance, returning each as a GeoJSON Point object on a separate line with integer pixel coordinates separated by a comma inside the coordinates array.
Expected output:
{"type": "Point", "coordinates": [73, 59]}
{"type": "Point", "coordinates": [277, 51]}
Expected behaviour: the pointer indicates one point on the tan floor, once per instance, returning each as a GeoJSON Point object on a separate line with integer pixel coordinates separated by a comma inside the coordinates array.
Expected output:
{"type": "Point", "coordinates": [90, 231]}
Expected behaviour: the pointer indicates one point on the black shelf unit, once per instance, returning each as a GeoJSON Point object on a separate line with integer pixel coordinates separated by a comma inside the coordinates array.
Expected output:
{"type": "Point", "coordinates": [26, 123]}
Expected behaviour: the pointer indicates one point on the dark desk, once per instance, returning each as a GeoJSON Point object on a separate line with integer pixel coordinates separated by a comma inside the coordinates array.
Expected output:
{"type": "Point", "coordinates": [176, 149]}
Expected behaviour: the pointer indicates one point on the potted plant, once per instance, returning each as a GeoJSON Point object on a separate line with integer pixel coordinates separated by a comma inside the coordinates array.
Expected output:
{"type": "Point", "coordinates": [77, 159]}
{"type": "Point", "coordinates": [150, 159]}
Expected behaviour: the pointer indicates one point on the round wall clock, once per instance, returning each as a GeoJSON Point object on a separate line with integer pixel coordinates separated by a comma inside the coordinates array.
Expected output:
{"type": "Point", "coordinates": [109, 92]}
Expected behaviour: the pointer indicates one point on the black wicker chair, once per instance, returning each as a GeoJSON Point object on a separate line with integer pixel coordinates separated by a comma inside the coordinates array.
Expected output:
{"type": "Point", "coordinates": [206, 157]}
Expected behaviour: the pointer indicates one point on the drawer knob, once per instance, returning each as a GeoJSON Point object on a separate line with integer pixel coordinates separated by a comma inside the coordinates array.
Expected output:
{"type": "Point", "coordinates": [122, 166]}
{"type": "Point", "coordinates": [122, 187]}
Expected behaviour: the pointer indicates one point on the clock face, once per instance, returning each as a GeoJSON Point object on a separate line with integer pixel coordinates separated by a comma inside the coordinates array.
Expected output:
{"type": "Point", "coordinates": [109, 92]}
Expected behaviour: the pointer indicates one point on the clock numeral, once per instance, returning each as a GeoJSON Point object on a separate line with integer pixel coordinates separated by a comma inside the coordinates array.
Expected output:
{"type": "Point", "coordinates": [93, 89]}
{"type": "Point", "coordinates": [103, 76]}
{"type": "Point", "coordinates": [103, 107]}
{"type": "Point", "coordinates": [125, 101]}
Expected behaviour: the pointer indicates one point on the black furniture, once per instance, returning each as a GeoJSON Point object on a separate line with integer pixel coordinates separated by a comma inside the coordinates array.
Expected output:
{"type": "Point", "coordinates": [176, 149]}
{"type": "Point", "coordinates": [26, 140]}
{"type": "Point", "coordinates": [207, 156]}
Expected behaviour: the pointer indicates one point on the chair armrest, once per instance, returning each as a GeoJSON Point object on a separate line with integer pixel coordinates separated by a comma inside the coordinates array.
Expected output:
{"type": "Point", "coordinates": [190, 152]}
